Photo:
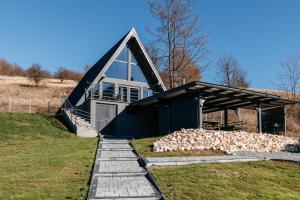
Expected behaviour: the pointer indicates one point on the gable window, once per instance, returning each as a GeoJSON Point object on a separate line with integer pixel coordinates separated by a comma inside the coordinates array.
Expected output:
{"type": "Point", "coordinates": [126, 67]}
{"type": "Point", "coordinates": [136, 71]}
{"type": "Point", "coordinates": [118, 70]}
{"type": "Point", "coordinates": [108, 90]}
{"type": "Point", "coordinates": [123, 56]}
{"type": "Point", "coordinates": [134, 94]}
{"type": "Point", "coordinates": [137, 74]}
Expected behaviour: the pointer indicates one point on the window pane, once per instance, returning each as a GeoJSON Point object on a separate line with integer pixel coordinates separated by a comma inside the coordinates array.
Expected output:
{"type": "Point", "coordinates": [123, 93]}
{"type": "Point", "coordinates": [134, 94]}
{"type": "Point", "coordinates": [150, 92]}
{"type": "Point", "coordinates": [117, 70]}
{"type": "Point", "coordinates": [108, 89]}
{"type": "Point", "coordinates": [133, 60]}
{"type": "Point", "coordinates": [147, 92]}
{"type": "Point", "coordinates": [95, 90]}
{"type": "Point", "coordinates": [137, 74]}
{"type": "Point", "coordinates": [123, 56]}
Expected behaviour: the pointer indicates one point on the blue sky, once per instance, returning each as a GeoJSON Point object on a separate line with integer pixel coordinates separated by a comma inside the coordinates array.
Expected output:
{"type": "Point", "coordinates": [70, 33]}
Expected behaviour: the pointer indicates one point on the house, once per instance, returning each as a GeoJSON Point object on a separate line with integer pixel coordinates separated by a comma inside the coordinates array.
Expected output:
{"type": "Point", "coordinates": [123, 94]}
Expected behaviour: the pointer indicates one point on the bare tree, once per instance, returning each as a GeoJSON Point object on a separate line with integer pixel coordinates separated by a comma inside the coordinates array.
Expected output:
{"type": "Point", "coordinates": [290, 77]}
{"type": "Point", "coordinates": [153, 53]}
{"type": "Point", "coordinates": [178, 40]}
{"type": "Point", "coordinates": [61, 73]}
{"type": "Point", "coordinates": [230, 73]}
{"type": "Point", "coordinates": [64, 74]}
{"type": "Point", "coordinates": [35, 74]}
{"type": "Point", "coordinates": [18, 70]}
{"type": "Point", "coordinates": [5, 67]}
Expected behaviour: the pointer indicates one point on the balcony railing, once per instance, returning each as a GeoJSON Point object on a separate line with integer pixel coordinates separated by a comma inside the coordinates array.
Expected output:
{"type": "Point", "coordinates": [120, 93]}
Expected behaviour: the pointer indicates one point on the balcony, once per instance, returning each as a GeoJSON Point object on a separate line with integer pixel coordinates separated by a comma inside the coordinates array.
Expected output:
{"type": "Point", "coordinates": [117, 93]}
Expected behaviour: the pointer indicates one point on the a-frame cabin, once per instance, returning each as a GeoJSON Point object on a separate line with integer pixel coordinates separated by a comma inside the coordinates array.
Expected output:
{"type": "Point", "coordinates": [122, 94]}
{"type": "Point", "coordinates": [123, 75]}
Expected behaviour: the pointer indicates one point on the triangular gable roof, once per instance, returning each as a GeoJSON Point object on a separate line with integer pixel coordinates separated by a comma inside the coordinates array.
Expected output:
{"type": "Point", "coordinates": [95, 72]}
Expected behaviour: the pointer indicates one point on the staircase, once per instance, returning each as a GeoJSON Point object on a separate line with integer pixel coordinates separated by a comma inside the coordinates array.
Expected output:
{"type": "Point", "coordinates": [78, 120]}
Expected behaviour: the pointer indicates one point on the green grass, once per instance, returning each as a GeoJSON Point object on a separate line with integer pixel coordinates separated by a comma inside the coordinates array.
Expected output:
{"type": "Point", "coordinates": [144, 146]}
{"type": "Point", "coordinates": [253, 180]}
{"type": "Point", "coordinates": [40, 159]}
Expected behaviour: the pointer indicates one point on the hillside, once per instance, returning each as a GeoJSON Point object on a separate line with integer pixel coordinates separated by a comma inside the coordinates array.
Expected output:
{"type": "Point", "coordinates": [40, 159]}
{"type": "Point", "coordinates": [25, 97]}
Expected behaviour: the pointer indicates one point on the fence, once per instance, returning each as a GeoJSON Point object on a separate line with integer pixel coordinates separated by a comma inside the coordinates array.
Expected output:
{"type": "Point", "coordinates": [30, 105]}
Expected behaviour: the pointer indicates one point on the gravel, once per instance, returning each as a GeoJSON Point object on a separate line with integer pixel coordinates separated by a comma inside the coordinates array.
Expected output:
{"type": "Point", "coordinates": [226, 141]}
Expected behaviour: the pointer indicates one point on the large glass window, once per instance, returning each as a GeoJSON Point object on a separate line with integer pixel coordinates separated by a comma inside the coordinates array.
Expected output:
{"type": "Point", "coordinates": [137, 74]}
{"type": "Point", "coordinates": [123, 56]}
{"type": "Point", "coordinates": [117, 70]}
{"type": "Point", "coordinates": [123, 93]}
{"type": "Point", "coordinates": [134, 94]}
{"type": "Point", "coordinates": [136, 71]}
{"type": "Point", "coordinates": [133, 60]}
{"type": "Point", "coordinates": [108, 90]}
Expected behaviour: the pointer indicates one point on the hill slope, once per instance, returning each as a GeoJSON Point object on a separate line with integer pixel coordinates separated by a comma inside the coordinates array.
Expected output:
{"type": "Point", "coordinates": [40, 159]}
{"type": "Point", "coordinates": [25, 97]}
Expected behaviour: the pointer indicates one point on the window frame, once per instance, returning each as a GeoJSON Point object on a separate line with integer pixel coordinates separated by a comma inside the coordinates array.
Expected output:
{"type": "Point", "coordinates": [130, 63]}
{"type": "Point", "coordinates": [147, 90]}
{"type": "Point", "coordinates": [125, 95]}
{"type": "Point", "coordinates": [138, 93]}
{"type": "Point", "coordinates": [103, 92]}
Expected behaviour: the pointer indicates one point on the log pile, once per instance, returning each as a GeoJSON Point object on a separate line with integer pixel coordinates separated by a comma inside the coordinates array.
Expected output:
{"type": "Point", "coordinates": [226, 141]}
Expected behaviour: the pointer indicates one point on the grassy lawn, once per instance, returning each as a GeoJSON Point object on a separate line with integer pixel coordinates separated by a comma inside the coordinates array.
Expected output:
{"type": "Point", "coordinates": [144, 146]}
{"type": "Point", "coordinates": [40, 159]}
{"type": "Point", "coordinates": [253, 180]}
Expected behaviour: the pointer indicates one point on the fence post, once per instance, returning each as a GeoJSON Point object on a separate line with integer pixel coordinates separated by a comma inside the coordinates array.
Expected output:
{"type": "Point", "coordinates": [75, 117]}
{"type": "Point", "coordinates": [9, 107]}
{"type": "Point", "coordinates": [49, 107]}
{"type": "Point", "coordinates": [29, 105]}
{"type": "Point", "coordinates": [221, 116]}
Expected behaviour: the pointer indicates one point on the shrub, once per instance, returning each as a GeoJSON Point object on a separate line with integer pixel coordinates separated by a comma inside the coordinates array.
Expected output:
{"type": "Point", "coordinates": [35, 73]}
{"type": "Point", "coordinates": [9, 69]}
{"type": "Point", "coordinates": [63, 74]}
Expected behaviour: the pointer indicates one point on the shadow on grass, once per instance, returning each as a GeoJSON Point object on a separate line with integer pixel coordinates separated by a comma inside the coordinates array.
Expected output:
{"type": "Point", "coordinates": [57, 121]}
{"type": "Point", "coordinates": [150, 136]}
{"type": "Point", "coordinates": [89, 182]}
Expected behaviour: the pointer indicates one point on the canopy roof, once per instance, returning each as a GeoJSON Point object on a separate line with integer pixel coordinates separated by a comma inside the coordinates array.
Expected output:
{"type": "Point", "coordinates": [218, 97]}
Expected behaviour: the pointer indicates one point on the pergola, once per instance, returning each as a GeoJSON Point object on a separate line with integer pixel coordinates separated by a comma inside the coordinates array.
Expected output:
{"type": "Point", "coordinates": [213, 97]}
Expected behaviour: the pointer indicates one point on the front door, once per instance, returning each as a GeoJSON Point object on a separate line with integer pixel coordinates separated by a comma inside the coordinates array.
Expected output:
{"type": "Point", "coordinates": [105, 116]}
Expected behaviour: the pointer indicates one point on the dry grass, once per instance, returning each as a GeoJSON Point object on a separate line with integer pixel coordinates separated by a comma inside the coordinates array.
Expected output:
{"type": "Point", "coordinates": [22, 92]}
